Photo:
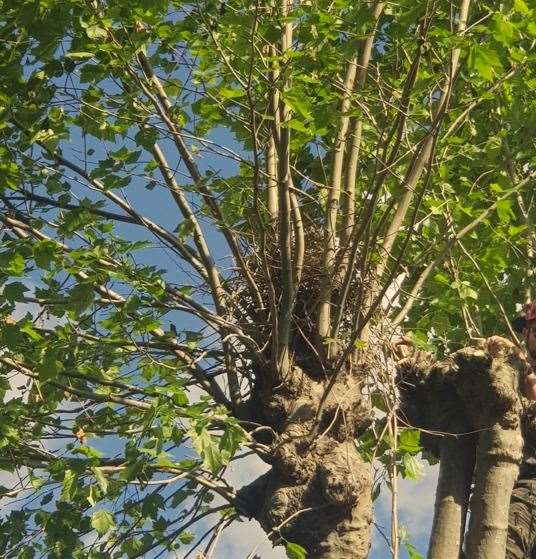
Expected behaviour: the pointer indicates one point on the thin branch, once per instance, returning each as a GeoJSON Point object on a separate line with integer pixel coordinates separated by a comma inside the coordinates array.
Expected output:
{"type": "Point", "coordinates": [282, 357]}
{"type": "Point", "coordinates": [413, 295]}
{"type": "Point", "coordinates": [86, 394]}
{"type": "Point", "coordinates": [164, 107]}
{"type": "Point", "coordinates": [492, 293]}
{"type": "Point", "coordinates": [425, 152]}
{"type": "Point", "coordinates": [63, 205]}
{"type": "Point", "coordinates": [210, 385]}
{"type": "Point", "coordinates": [299, 238]}
{"type": "Point", "coordinates": [348, 193]}
{"type": "Point", "coordinates": [334, 192]}
{"type": "Point", "coordinates": [199, 238]}
{"type": "Point", "coordinates": [182, 248]}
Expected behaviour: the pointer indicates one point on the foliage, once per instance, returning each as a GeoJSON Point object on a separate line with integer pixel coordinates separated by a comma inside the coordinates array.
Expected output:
{"type": "Point", "coordinates": [134, 158]}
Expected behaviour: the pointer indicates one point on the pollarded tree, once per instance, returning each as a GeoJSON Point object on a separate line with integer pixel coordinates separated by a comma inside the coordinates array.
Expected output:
{"type": "Point", "coordinates": [227, 210]}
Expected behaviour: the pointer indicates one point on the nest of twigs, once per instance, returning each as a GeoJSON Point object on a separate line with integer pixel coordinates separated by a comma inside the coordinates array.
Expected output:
{"type": "Point", "coordinates": [264, 264]}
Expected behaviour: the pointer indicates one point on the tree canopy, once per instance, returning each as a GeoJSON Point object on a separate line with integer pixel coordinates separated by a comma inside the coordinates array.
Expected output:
{"type": "Point", "coordinates": [199, 198]}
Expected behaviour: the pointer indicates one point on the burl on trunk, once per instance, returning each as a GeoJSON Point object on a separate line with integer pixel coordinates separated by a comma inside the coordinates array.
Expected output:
{"type": "Point", "coordinates": [318, 492]}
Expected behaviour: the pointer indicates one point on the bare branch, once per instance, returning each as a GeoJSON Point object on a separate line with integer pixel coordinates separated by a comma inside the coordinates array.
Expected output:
{"type": "Point", "coordinates": [163, 106]}
{"type": "Point", "coordinates": [334, 192]}
{"type": "Point", "coordinates": [285, 231]}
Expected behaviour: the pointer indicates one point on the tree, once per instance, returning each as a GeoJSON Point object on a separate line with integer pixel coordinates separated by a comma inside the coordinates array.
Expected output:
{"type": "Point", "coordinates": [229, 213]}
{"type": "Point", "coordinates": [469, 408]}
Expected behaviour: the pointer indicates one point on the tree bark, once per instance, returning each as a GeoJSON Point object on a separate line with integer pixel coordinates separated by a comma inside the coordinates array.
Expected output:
{"type": "Point", "coordinates": [499, 451]}
{"type": "Point", "coordinates": [457, 457]}
{"type": "Point", "coordinates": [475, 389]}
{"type": "Point", "coordinates": [488, 384]}
{"type": "Point", "coordinates": [318, 491]}
{"type": "Point", "coordinates": [430, 401]}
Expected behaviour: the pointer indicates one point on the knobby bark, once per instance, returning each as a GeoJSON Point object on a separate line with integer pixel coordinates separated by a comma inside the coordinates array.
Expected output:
{"type": "Point", "coordinates": [474, 391]}
{"type": "Point", "coordinates": [488, 384]}
{"type": "Point", "coordinates": [318, 491]}
{"type": "Point", "coordinates": [430, 402]}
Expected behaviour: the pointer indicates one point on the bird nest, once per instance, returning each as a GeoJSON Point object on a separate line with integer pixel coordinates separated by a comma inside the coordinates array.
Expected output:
{"type": "Point", "coordinates": [265, 267]}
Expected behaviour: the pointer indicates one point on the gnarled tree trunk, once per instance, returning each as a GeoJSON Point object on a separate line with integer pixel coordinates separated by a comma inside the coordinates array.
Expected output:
{"type": "Point", "coordinates": [429, 401]}
{"type": "Point", "coordinates": [318, 491]}
{"type": "Point", "coordinates": [475, 390]}
{"type": "Point", "coordinates": [488, 384]}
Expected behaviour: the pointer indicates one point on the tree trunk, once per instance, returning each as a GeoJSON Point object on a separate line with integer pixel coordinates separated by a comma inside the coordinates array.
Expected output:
{"type": "Point", "coordinates": [488, 383]}
{"type": "Point", "coordinates": [457, 457]}
{"type": "Point", "coordinates": [330, 513]}
{"type": "Point", "coordinates": [318, 491]}
{"type": "Point", "coordinates": [476, 389]}
{"type": "Point", "coordinates": [430, 401]}
{"type": "Point", "coordinates": [499, 452]}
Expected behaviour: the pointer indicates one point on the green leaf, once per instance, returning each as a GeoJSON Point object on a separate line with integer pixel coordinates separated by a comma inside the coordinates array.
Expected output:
{"type": "Point", "coordinates": [503, 31]}
{"type": "Point", "coordinates": [50, 366]}
{"type": "Point", "coordinates": [297, 102]}
{"type": "Point", "coordinates": [30, 331]}
{"type": "Point", "coordinates": [229, 93]}
{"type": "Point", "coordinates": [184, 229]}
{"type": "Point", "coordinates": [484, 60]}
{"type": "Point", "coordinates": [412, 467]}
{"type": "Point", "coordinates": [409, 441]}
{"type": "Point", "coordinates": [360, 344]}
{"type": "Point", "coordinates": [69, 486]}
{"type": "Point", "coordinates": [179, 397]}
{"type": "Point", "coordinates": [14, 291]}
{"type": "Point", "coordinates": [515, 230]}
{"type": "Point", "coordinates": [505, 211]}
{"type": "Point", "coordinates": [521, 7]}
{"type": "Point", "coordinates": [96, 32]}
{"type": "Point", "coordinates": [15, 264]}
{"type": "Point", "coordinates": [43, 252]}
{"type": "Point", "coordinates": [81, 297]}
{"type": "Point", "coordinates": [37, 482]}
{"type": "Point", "coordinates": [295, 551]}
{"type": "Point", "coordinates": [207, 448]}
{"type": "Point", "coordinates": [186, 537]}
{"type": "Point", "coordinates": [101, 479]}
{"type": "Point", "coordinates": [145, 323]}
{"type": "Point", "coordinates": [79, 55]}
{"type": "Point", "coordinates": [420, 339]}
{"type": "Point", "coordinates": [93, 495]}
{"type": "Point", "coordinates": [378, 401]}
{"type": "Point", "coordinates": [412, 551]}
{"type": "Point", "coordinates": [230, 441]}
{"type": "Point", "coordinates": [132, 547]}
{"type": "Point", "coordinates": [102, 521]}
{"type": "Point", "coordinates": [152, 504]}
{"type": "Point", "coordinates": [180, 496]}
{"type": "Point", "coordinates": [467, 292]}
